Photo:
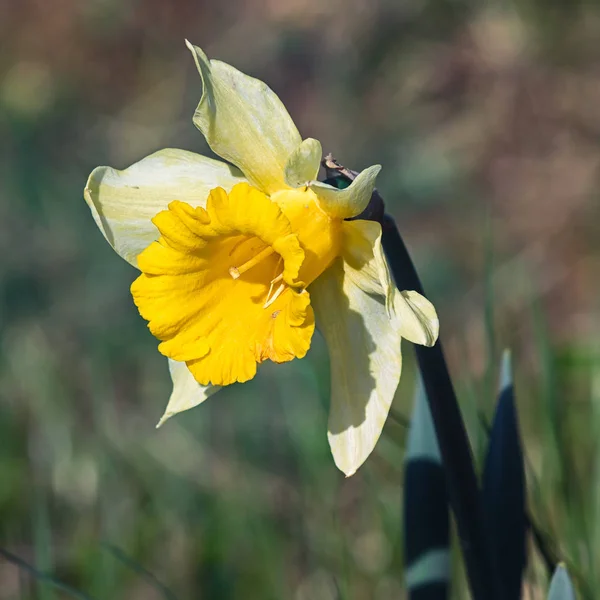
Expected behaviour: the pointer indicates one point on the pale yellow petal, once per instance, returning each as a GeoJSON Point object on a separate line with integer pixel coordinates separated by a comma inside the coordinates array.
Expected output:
{"type": "Point", "coordinates": [365, 261]}
{"type": "Point", "coordinates": [351, 201]}
{"type": "Point", "coordinates": [244, 122]}
{"type": "Point", "coordinates": [124, 202]}
{"type": "Point", "coordinates": [187, 392]}
{"type": "Point", "coordinates": [416, 318]}
{"type": "Point", "coordinates": [365, 361]}
{"type": "Point", "coordinates": [304, 163]}
{"type": "Point", "coordinates": [412, 314]}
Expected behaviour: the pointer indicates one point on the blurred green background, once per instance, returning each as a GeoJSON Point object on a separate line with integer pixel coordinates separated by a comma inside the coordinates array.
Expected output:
{"type": "Point", "coordinates": [485, 116]}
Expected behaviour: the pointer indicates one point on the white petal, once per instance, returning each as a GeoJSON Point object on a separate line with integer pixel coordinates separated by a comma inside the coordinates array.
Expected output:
{"type": "Point", "coordinates": [304, 163]}
{"type": "Point", "coordinates": [365, 360]}
{"type": "Point", "coordinates": [124, 202]}
{"type": "Point", "coordinates": [412, 314]}
{"type": "Point", "coordinates": [351, 201]}
{"type": "Point", "coordinates": [244, 122]}
{"type": "Point", "coordinates": [187, 392]}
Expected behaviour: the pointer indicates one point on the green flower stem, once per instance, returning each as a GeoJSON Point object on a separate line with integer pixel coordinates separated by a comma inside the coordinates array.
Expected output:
{"type": "Point", "coordinates": [463, 489]}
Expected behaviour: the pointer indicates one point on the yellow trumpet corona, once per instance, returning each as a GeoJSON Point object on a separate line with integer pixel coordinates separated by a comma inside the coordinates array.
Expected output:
{"type": "Point", "coordinates": [225, 287]}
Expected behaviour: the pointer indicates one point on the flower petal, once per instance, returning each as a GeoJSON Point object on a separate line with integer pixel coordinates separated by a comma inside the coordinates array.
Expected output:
{"type": "Point", "coordinates": [124, 202]}
{"type": "Point", "coordinates": [304, 163]}
{"type": "Point", "coordinates": [416, 317]}
{"type": "Point", "coordinates": [187, 392]}
{"type": "Point", "coordinates": [351, 201]}
{"type": "Point", "coordinates": [366, 263]}
{"type": "Point", "coordinates": [244, 122]}
{"type": "Point", "coordinates": [412, 314]}
{"type": "Point", "coordinates": [365, 364]}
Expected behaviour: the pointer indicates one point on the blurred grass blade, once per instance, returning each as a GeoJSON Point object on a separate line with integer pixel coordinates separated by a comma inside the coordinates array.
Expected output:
{"type": "Point", "coordinates": [42, 543]}
{"type": "Point", "coordinates": [40, 576]}
{"type": "Point", "coordinates": [149, 577]}
{"type": "Point", "coordinates": [561, 587]}
{"type": "Point", "coordinates": [504, 491]}
{"type": "Point", "coordinates": [426, 521]}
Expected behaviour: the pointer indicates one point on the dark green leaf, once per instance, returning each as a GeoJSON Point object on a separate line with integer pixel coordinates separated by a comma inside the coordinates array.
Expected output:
{"type": "Point", "coordinates": [504, 492]}
{"type": "Point", "coordinates": [427, 555]}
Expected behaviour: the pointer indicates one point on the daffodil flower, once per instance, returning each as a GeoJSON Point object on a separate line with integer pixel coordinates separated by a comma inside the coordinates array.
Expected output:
{"type": "Point", "coordinates": [239, 259]}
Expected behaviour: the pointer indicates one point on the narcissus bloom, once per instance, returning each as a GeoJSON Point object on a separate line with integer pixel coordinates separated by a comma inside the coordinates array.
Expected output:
{"type": "Point", "coordinates": [239, 259]}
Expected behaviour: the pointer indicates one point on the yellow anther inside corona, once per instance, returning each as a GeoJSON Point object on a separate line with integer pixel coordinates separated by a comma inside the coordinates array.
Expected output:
{"type": "Point", "coordinates": [236, 272]}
